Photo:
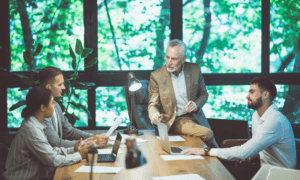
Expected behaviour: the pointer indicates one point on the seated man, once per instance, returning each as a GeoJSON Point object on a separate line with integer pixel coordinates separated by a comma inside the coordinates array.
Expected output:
{"type": "Point", "coordinates": [30, 155]}
{"type": "Point", "coordinates": [272, 135]}
{"type": "Point", "coordinates": [177, 94]}
{"type": "Point", "coordinates": [58, 126]}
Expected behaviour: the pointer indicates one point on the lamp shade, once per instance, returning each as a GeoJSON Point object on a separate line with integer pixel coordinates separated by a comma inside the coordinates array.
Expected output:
{"type": "Point", "coordinates": [133, 83]}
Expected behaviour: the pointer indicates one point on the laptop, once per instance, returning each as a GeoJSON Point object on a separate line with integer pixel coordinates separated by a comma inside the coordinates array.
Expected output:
{"type": "Point", "coordinates": [113, 156]}
{"type": "Point", "coordinates": [164, 140]}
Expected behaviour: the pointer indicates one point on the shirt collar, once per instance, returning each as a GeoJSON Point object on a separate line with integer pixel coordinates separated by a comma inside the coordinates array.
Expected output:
{"type": "Point", "coordinates": [36, 123]}
{"type": "Point", "coordinates": [180, 74]}
{"type": "Point", "coordinates": [268, 112]}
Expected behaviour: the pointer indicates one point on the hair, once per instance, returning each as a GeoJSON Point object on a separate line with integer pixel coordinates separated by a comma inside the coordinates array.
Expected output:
{"type": "Point", "coordinates": [265, 84]}
{"type": "Point", "coordinates": [180, 44]}
{"type": "Point", "coordinates": [34, 99]}
{"type": "Point", "coordinates": [47, 75]}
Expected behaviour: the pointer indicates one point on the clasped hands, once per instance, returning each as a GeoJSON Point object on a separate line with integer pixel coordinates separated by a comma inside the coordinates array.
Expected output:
{"type": "Point", "coordinates": [82, 146]}
{"type": "Point", "coordinates": [190, 107]}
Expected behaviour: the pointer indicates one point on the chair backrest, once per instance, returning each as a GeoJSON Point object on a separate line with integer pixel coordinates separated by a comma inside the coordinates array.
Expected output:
{"type": "Point", "coordinates": [139, 105]}
{"type": "Point", "coordinates": [229, 129]}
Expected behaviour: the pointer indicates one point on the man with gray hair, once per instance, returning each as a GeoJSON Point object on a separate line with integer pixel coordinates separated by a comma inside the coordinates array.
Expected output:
{"type": "Point", "coordinates": [177, 94]}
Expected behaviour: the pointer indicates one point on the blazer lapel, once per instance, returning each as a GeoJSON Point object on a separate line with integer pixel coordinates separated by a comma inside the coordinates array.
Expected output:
{"type": "Point", "coordinates": [187, 76]}
{"type": "Point", "coordinates": [168, 83]}
{"type": "Point", "coordinates": [58, 122]}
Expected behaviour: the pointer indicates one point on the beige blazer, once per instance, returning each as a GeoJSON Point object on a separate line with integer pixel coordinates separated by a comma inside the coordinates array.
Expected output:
{"type": "Point", "coordinates": [162, 96]}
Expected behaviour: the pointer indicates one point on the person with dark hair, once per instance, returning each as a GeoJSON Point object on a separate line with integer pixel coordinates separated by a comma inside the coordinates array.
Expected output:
{"type": "Point", "coordinates": [59, 130]}
{"type": "Point", "coordinates": [177, 94]}
{"type": "Point", "coordinates": [272, 139]}
{"type": "Point", "coordinates": [31, 156]}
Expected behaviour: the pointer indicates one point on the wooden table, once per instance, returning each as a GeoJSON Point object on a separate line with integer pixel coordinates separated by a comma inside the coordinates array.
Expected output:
{"type": "Point", "coordinates": [208, 168]}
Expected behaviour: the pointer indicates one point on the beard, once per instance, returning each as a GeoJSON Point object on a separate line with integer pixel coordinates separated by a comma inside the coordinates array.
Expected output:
{"type": "Point", "coordinates": [175, 68]}
{"type": "Point", "coordinates": [255, 104]}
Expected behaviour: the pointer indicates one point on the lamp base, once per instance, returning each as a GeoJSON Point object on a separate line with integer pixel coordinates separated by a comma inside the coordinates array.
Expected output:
{"type": "Point", "coordinates": [132, 130]}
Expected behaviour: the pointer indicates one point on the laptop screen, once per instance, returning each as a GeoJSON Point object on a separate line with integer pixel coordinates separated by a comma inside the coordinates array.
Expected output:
{"type": "Point", "coordinates": [116, 145]}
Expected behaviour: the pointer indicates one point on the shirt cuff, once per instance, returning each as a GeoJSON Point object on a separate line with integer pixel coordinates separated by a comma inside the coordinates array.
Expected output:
{"type": "Point", "coordinates": [214, 152]}
{"type": "Point", "coordinates": [70, 150]}
{"type": "Point", "coordinates": [78, 156]}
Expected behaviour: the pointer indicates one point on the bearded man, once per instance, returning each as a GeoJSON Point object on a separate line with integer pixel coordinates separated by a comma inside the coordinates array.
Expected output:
{"type": "Point", "coordinates": [177, 94]}
{"type": "Point", "coordinates": [272, 139]}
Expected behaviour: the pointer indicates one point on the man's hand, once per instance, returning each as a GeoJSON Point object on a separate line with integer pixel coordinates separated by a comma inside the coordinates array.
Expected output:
{"type": "Point", "coordinates": [80, 142]}
{"type": "Point", "coordinates": [101, 139]}
{"type": "Point", "coordinates": [84, 147]}
{"type": "Point", "coordinates": [156, 117]}
{"type": "Point", "coordinates": [195, 151]}
{"type": "Point", "coordinates": [191, 106]}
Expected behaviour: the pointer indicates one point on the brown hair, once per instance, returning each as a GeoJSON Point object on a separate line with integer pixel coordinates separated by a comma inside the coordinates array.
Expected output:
{"type": "Point", "coordinates": [265, 84]}
{"type": "Point", "coordinates": [47, 75]}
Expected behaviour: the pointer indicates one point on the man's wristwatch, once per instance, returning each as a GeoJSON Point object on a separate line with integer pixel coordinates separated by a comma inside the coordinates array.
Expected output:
{"type": "Point", "coordinates": [207, 149]}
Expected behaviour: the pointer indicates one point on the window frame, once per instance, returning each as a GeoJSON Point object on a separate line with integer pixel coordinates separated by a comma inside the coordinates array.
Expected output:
{"type": "Point", "coordinates": [119, 78]}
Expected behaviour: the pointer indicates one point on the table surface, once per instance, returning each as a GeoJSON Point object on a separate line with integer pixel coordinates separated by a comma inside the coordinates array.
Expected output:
{"type": "Point", "coordinates": [208, 168]}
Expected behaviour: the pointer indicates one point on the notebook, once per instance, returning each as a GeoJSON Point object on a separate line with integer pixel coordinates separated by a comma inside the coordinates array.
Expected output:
{"type": "Point", "coordinates": [164, 140]}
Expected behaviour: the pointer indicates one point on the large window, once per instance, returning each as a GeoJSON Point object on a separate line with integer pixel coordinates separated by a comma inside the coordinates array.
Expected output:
{"type": "Point", "coordinates": [233, 41]}
{"type": "Point", "coordinates": [223, 36]}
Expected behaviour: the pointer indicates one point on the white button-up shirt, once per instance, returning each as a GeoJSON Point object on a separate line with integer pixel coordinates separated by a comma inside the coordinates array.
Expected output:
{"type": "Point", "coordinates": [273, 139]}
{"type": "Point", "coordinates": [180, 92]}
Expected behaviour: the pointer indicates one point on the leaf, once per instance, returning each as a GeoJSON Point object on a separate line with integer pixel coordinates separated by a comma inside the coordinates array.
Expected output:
{"type": "Point", "coordinates": [25, 88]}
{"type": "Point", "coordinates": [71, 117]}
{"type": "Point", "coordinates": [3, 69]}
{"type": "Point", "coordinates": [76, 95]}
{"type": "Point", "coordinates": [27, 58]}
{"type": "Point", "coordinates": [78, 48]}
{"type": "Point", "coordinates": [67, 85]}
{"type": "Point", "coordinates": [38, 50]}
{"type": "Point", "coordinates": [75, 105]}
{"type": "Point", "coordinates": [26, 80]}
{"type": "Point", "coordinates": [91, 63]}
{"type": "Point", "coordinates": [86, 83]}
{"type": "Point", "coordinates": [86, 110]}
{"type": "Point", "coordinates": [73, 57]}
{"type": "Point", "coordinates": [86, 52]}
{"type": "Point", "coordinates": [83, 88]}
{"type": "Point", "coordinates": [17, 105]}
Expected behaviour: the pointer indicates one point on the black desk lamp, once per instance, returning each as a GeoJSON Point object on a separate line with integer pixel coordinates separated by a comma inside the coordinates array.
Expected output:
{"type": "Point", "coordinates": [133, 85]}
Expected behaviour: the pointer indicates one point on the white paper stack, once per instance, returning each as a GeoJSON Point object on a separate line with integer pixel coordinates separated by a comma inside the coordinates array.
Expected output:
{"type": "Point", "coordinates": [99, 169]}
{"type": "Point", "coordinates": [180, 177]}
{"type": "Point", "coordinates": [174, 138]}
{"type": "Point", "coordinates": [180, 157]}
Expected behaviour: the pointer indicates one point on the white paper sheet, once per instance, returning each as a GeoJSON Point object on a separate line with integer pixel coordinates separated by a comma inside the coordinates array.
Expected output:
{"type": "Point", "coordinates": [125, 136]}
{"type": "Point", "coordinates": [122, 145]}
{"type": "Point", "coordinates": [180, 177]}
{"type": "Point", "coordinates": [99, 169]}
{"type": "Point", "coordinates": [174, 138]}
{"type": "Point", "coordinates": [114, 126]}
{"type": "Point", "coordinates": [180, 157]}
{"type": "Point", "coordinates": [107, 151]}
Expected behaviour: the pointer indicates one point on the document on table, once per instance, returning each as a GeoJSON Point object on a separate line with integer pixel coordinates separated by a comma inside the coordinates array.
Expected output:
{"type": "Point", "coordinates": [180, 157]}
{"type": "Point", "coordinates": [180, 177]}
{"type": "Point", "coordinates": [107, 151]}
{"type": "Point", "coordinates": [174, 138]}
{"type": "Point", "coordinates": [125, 136]}
{"type": "Point", "coordinates": [99, 169]}
{"type": "Point", "coordinates": [122, 145]}
{"type": "Point", "coordinates": [117, 122]}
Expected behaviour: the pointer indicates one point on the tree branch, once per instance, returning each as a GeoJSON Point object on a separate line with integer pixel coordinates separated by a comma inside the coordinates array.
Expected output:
{"type": "Point", "coordinates": [187, 2]}
{"type": "Point", "coordinates": [206, 31]}
{"type": "Point", "coordinates": [287, 60]}
{"type": "Point", "coordinates": [113, 34]}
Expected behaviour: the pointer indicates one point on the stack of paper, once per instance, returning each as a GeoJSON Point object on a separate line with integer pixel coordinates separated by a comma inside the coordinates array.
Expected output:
{"type": "Point", "coordinates": [180, 157]}
{"type": "Point", "coordinates": [107, 151]}
{"type": "Point", "coordinates": [124, 137]}
{"type": "Point", "coordinates": [174, 138]}
{"type": "Point", "coordinates": [99, 169]}
{"type": "Point", "coordinates": [180, 177]}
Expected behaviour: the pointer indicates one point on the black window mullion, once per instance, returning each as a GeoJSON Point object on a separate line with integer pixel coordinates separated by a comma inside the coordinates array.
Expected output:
{"type": "Point", "coordinates": [176, 19]}
{"type": "Point", "coordinates": [91, 41]}
{"type": "Point", "coordinates": [265, 44]}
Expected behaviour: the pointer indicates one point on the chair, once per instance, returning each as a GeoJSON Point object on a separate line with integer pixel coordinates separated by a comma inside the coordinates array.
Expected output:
{"type": "Point", "coordinates": [140, 118]}
{"type": "Point", "coordinates": [229, 129]}
{"type": "Point", "coordinates": [3, 155]}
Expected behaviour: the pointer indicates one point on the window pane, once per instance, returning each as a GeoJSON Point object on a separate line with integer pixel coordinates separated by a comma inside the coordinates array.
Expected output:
{"type": "Point", "coordinates": [229, 102]}
{"type": "Point", "coordinates": [229, 41]}
{"type": "Point", "coordinates": [136, 37]}
{"type": "Point", "coordinates": [14, 118]}
{"type": "Point", "coordinates": [54, 24]}
{"type": "Point", "coordinates": [110, 103]}
{"type": "Point", "coordinates": [284, 36]}
{"type": "Point", "coordinates": [79, 112]}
